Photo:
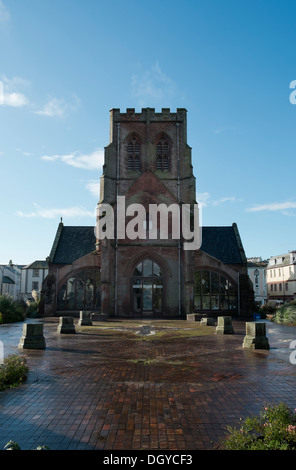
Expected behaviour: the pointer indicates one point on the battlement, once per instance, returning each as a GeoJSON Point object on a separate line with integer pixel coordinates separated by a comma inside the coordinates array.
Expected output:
{"type": "Point", "coordinates": [148, 114]}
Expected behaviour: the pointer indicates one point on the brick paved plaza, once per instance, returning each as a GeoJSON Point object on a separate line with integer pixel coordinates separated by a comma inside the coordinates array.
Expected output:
{"type": "Point", "coordinates": [106, 387]}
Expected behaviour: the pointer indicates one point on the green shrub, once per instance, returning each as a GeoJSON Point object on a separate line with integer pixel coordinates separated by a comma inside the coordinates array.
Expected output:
{"type": "Point", "coordinates": [12, 445]}
{"type": "Point", "coordinates": [32, 310]}
{"type": "Point", "coordinates": [267, 309]}
{"type": "Point", "coordinates": [286, 313]}
{"type": "Point", "coordinates": [11, 311]}
{"type": "Point", "coordinates": [13, 371]}
{"type": "Point", "coordinates": [273, 429]}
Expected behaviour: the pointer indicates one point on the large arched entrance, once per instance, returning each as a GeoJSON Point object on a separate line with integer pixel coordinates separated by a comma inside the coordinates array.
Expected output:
{"type": "Point", "coordinates": [147, 289]}
{"type": "Point", "coordinates": [81, 291]}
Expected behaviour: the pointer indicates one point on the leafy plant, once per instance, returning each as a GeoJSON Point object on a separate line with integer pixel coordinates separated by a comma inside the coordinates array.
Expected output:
{"type": "Point", "coordinates": [12, 445]}
{"type": "Point", "coordinates": [13, 371]}
{"type": "Point", "coordinates": [11, 311]}
{"type": "Point", "coordinates": [273, 429]}
{"type": "Point", "coordinates": [286, 313]}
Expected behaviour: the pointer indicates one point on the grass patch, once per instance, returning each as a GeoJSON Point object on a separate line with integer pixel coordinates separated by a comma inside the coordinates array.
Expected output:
{"type": "Point", "coordinates": [162, 330]}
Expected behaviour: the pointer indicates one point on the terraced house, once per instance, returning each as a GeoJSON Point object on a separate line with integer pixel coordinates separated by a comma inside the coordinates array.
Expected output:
{"type": "Point", "coordinates": [147, 164]}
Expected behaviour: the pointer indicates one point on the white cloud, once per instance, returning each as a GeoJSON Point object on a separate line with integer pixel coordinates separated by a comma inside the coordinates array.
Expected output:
{"type": "Point", "coordinates": [69, 212]}
{"type": "Point", "coordinates": [223, 199]}
{"type": "Point", "coordinates": [15, 99]}
{"type": "Point", "coordinates": [93, 187]}
{"type": "Point", "coordinates": [152, 83]}
{"type": "Point", "coordinates": [10, 91]}
{"type": "Point", "coordinates": [53, 108]}
{"type": "Point", "coordinates": [205, 199]}
{"type": "Point", "coordinates": [274, 206]}
{"type": "Point", "coordinates": [4, 13]}
{"type": "Point", "coordinates": [91, 161]}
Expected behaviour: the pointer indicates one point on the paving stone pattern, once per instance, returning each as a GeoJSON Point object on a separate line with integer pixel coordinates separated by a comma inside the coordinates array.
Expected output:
{"type": "Point", "coordinates": [103, 389]}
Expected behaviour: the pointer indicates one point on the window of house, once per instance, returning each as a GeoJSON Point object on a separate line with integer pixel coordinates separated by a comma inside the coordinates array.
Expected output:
{"type": "Point", "coordinates": [163, 155]}
{"type": "Point", "coordinates": [287, 286]}
{"type": "Point", "coordinates": [35, 285]}
{"type": "Point", "coordinates": [271, 287]}
{"type": "Point", "coordinates": [35, 272]}
{"type": "Point", "coordinates": [133, 150]}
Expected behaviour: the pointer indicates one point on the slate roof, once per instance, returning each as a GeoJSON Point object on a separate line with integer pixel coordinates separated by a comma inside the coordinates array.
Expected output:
{"type": "Point", "coordinates": [223, 243]}
{"type": "Point", "coordinates": [39, 264]}
{"type": "Point", "coordinates": [71, 243]}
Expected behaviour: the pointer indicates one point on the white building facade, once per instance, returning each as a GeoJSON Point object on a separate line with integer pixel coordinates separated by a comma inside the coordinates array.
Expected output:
{"type": "Point", "coordinates": [10, 280]}
{"type": "Point", "coordinates": [257, 274]}
{"type": "Point", "coordinates": [281, 277]}
{"type": "Point", "coordinates": [32, 277]}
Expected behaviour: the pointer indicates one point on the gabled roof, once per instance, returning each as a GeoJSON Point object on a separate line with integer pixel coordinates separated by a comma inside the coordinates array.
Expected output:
{"type": "Point", "coordinates": [39, 264]}
{"type": "Point", "coordinates": [71, 243]}
{"type": "Point", "coordinates": [224, 244]}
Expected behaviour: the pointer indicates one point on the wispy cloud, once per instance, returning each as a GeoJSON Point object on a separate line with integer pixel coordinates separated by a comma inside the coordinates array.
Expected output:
{"type": "Point", "coordinates": [152, 83]}
{"type": "Point", "coordinates": [274, 206]}
{"type": "Point", "coordinates": [93, 187]}
{"type": "Point", "coordinates": [91, 161]}
{"type": "Point", "coordinates": [53, 213]}
{"type": "Point", "coordinates": [53, 108]}
{"type": "Point", "coordinates": [205, 199]}
{"type": "Point", "coordinates": [4, 13]}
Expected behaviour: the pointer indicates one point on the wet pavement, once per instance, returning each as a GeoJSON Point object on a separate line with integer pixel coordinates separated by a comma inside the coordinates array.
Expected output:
{"type": "Point", "coordinates": [107, 388]}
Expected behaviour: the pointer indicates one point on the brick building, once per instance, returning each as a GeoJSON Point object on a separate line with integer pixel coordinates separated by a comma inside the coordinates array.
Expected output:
{"type": "Point", "coordinates": [147, 163]}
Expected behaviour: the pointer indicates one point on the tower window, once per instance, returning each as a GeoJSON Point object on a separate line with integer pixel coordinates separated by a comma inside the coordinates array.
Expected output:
{"type": "Point", "coordinates": [133, 150]}
{"type": "Point", "coordinates": [162, 158]}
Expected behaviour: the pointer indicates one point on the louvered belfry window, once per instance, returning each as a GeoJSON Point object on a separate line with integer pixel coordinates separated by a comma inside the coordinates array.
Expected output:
{"type": "Point", "coordinates": [162, 159]}
{"type": "Point", "coordinates": [133, 150]}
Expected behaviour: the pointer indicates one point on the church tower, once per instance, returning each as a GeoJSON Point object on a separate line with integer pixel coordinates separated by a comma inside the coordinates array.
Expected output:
{"type": "Point", "coordinates": [148, 162]}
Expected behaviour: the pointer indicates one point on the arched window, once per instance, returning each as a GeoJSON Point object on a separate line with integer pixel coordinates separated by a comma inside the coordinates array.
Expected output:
{"type": "Point", "coordinates": [213, 291]}
{"type": "Point", "coordinates": [81, 292]}
{"type": "Point", "coordinates": [163, 155]}
{"type": "Point", "coordinates": [147, 288]}
{"type": "Point", "coordinates": [133, 160]}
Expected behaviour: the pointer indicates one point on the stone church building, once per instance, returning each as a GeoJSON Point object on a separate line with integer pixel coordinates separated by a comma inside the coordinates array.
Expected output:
{"type": "Point", "coordinates": [148, 162]}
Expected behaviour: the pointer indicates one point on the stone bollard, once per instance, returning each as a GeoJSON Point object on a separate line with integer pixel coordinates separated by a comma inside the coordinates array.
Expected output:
{"type": "Point", "coordinates": [255, 336]}
{"type": "Point", "coordinates": [32, 336]}
{"type": "Point", "coordinates": [85, 318]}
{"type": "Point", "coordinates": [66, 325]}
{"type": "Point", "coordinates": [207, 321]}
{"type": "Point", "coordinates": [224, 326]}
{"type": "Point", "coordinates": [191, 317]}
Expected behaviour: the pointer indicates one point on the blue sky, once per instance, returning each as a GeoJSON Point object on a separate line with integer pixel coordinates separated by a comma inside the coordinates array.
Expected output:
{"type": "Point", "coordinates": [65, 63]}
